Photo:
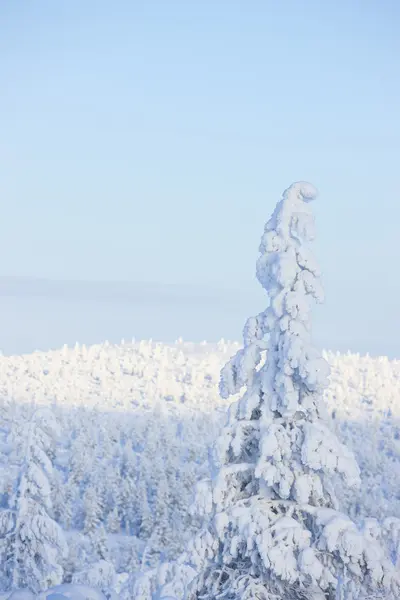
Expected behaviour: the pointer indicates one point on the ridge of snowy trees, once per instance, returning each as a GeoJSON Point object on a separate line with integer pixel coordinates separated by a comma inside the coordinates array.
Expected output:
{"type": "Point", "coordinates": [132, 483]}
{"type": "Point", "coordinates": [275, 529]}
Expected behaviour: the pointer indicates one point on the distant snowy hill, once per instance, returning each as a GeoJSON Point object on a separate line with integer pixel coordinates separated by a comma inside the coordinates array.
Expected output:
{"type": "Point", "coordinates": [38, 314]}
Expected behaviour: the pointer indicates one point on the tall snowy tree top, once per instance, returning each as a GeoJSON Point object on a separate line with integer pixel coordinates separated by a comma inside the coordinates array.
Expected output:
{"type": "Point", "coordinates": [290, 274]}
{"type": "Point", "coordinates": [288, 271]}
{"type": "Point", "coordinates": [291, 225]}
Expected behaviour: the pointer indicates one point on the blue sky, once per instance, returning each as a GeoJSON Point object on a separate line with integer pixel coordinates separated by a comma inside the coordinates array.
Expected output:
{"type": "Point", "coordinates": [149, 141]}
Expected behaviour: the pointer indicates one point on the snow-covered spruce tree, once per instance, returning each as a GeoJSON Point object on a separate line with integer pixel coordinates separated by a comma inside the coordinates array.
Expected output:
{"type": "Point", "coordinates": [113, 521]}
{"type": "Point", "coordinates": [275, 531]}
{"type": "Point", "coordinates": [93, 507]}
{"type": "Point", "coordinates": [99, 575]}
{"type": "Point", "coordinates": [37, 544]}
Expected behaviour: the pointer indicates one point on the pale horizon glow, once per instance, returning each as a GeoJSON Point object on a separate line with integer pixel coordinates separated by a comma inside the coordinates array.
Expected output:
{"type": "Point", "coordinates": [149, 143]}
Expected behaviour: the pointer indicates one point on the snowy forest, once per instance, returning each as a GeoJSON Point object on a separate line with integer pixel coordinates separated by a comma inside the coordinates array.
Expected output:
{"type": "Point", "coordinates": [265, 469]}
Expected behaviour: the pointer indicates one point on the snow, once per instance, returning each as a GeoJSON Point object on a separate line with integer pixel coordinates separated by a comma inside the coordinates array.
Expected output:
{"type": "Point", "coordinates": [71, 592]}
{"type": "Point", "coordinates": [106, 393]}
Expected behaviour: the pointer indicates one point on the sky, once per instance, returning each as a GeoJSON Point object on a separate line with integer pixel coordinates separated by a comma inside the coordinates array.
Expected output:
{"type": "Point", "coordinates": [149, 141]}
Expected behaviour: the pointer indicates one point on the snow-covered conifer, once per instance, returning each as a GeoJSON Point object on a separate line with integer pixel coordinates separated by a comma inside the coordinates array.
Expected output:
{"type": "Point", "coordinates": [79, 553]}
{"type": "Point", "coordinates": [93, 510]}
{"type": "Point", "coordinates": [37, 543]}
{"type": "Point", "coordinates": [99, 543]}
{"type": "Point", "coordinates": [130, 512]}
{"type": "Point", "coordinates": [82, 450]}
{"type": "Point", "coordinates": [133, 563]}
{"type": "Point", "coordinates": [99, 575]}
{"type": "Point", "coordinates": [71, 495]}
{"type": "Point", "coordinates": [146, 519]}
{"type": "Point", "coordinates": [275, 530]}
{"type": "Point", "coordinates": [59, 499]}
{"type": "Point", "coordinates": [113, 521]}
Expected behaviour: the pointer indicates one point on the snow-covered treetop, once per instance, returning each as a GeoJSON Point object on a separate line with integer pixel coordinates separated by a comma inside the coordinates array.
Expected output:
{"type": "Point", "coordinates": [288, 271]}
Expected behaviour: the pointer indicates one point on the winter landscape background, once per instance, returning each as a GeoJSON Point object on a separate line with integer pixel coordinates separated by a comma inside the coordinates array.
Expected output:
{"type": "Point", "coordinates": [143, 147]}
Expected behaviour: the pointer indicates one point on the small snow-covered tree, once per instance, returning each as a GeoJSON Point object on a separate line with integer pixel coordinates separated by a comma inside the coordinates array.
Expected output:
{"type": "Point", "coordinates": [161, 508]}
{"type": "Point", "coordinates": [113, 521]}
{"type": "Point", "coordinates": [129, 505]}
{"type": "Point", "coordinates": [79, 555]}
{"type": "Point", "coordinates": [146, 519]}
{"type": "Point", "coordinates": [100, 575]}
{"type": "Point", "coordinates": [71, 494]}
{"type": "Point", "coordinates": [275, 530]}
{"type": "Point", "coordinates": [100, 543]}
{"type": "Point", "coordinates": [58, 493]}
{"type": "Point", "coordinates": [37, 543]}
{"type": "Point", "coordinates": [93, 510]}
